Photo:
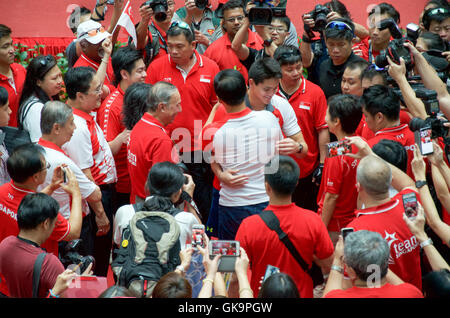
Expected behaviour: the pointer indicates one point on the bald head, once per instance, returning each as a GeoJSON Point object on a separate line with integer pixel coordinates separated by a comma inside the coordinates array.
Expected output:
{"type": "Point", "coordinates": [374, 175]}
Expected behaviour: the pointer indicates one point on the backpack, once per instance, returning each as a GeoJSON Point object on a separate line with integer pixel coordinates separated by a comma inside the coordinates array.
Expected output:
{"type": "Point", "coordinates": [149, 249]}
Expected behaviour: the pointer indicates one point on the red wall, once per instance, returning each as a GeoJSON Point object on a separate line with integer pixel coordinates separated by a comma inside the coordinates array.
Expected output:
{"type": "Point", "coordinates": [48, 18]}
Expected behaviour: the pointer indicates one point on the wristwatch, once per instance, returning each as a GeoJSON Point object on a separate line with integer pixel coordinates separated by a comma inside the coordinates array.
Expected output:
{"type": "Point", "coordinates": [420, 183]}
{"type": "Point", "coordinates": [300, 147]}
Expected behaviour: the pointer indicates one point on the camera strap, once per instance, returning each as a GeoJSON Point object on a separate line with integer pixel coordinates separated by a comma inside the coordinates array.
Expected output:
{"type": "Point", "coordinates": [37, 273]}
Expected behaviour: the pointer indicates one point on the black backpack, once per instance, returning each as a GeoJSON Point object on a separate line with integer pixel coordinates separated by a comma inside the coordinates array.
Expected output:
{"type": "Point", "coordinates": [149, 249]}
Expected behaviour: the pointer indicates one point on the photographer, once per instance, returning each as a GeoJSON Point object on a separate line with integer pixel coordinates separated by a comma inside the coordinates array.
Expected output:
{"type": "Point", "coordinates": [198, 14]}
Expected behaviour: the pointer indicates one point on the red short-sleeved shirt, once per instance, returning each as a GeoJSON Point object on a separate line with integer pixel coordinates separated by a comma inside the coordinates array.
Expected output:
{"type": "Point", "coordinates": [364, 131]}
{"type": "Point", "coordinates": [385, 291]}
{"type": "Point", "coordinates": [310, 107]}
{"type": "Point", "coordinates": [197, 96]}
{"type": "Point", "coordinates": [110, 120]}
{"type": "Point", "coordinates": [339, 177]}
{"type": "Point", "coordinates": [149, 144]}
{"type": "Point", "coordinates": [306, 231]}
{"type": "Point", "coordinates": [221, 52]}
{"type": "Point", "coordinates": [387, 219]}
{"type": "Point", "coordinates": [14, 91]}
{"type": "Point", "coordinates": [83, 60]}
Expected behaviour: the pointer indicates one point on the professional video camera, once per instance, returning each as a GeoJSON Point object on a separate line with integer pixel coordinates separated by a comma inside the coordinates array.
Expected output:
{"type": "Point", "coordinates": [72, 256]}
{"type": "Point", "coordinates": [159, 8]}
{"type": "Point", "coordinates": [437, 126]}
{"type": "Point", "coordinates": [319, 15]}
{"type": "Point", "coordinates": [263, 12]}
{"type": "Point", "coordinates": [201, 4]}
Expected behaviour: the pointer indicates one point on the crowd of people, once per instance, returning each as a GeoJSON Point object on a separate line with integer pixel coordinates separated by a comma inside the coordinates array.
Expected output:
{"type": "Point", "coordinates": [213, 118]}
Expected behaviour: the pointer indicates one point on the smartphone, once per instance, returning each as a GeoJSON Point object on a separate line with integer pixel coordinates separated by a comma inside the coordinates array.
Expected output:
{"type": "Point", "coordinates": [229, 251]}
{"type": "Point", "coordinates": [270, 270]}
{"type": "Point", "coordinates": [338, 148]}
{"type": "Point", "coordinates": [410, 205]}
{"type": "Point", "coordinates": [197, 235]}
{"type": "Point", "coordinates": [345, 231]}
{"type": "Point", "coordinates": [423, 139]}
{"type": "Point", "coordinates": [64, 174]}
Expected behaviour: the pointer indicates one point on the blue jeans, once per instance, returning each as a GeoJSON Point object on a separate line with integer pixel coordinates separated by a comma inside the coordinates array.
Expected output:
{"type": "Point", "coordinates": [230, 217]}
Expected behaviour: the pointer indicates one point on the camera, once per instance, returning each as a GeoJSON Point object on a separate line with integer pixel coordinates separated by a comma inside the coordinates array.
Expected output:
{"type": "Point", "coordinates": [412, 32]}
{"type": "Point", "coordinates": [201, 4]}
{"type": "Point", "coordinates": [395, 51]}
{"type": "Point", "coordinates": [319, 15]}
{"type": "Point", "coordinates": [159, 8]}
{"type": "Point", "coordinates": [72, 256]}
{"type": "Point", "coordinates": [261, 14]}
{"type": "Point", "coordinates": [437, 126]}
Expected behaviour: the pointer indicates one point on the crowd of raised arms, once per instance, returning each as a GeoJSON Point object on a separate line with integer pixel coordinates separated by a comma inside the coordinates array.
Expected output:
{"type": "Point", "coordinates": [219, 153]}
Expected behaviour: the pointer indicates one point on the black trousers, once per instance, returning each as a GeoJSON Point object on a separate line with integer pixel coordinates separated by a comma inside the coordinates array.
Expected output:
{"type": "Point", "coordinates": [305, 194]}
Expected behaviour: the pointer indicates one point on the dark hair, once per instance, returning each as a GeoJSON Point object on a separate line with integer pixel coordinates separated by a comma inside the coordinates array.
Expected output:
{"type": "Point", "coordinates": [379, 98]}
{"type": "Point", "coordinates": [357, 64]}
{"type": "Point", "coordinates": [3, 96]}
{"type": "Point", "coordinates": [263, 69]}
{"type": "Point", "coordinates": [230, 87]}
{"type": "Point", "coordinates": [393, 152]}
{"type": "Point", "coordinates": [232, 4]}
{"type": "Point", "coordinates": [339, 7]}
{"type": "Point", "coordinates": [287, 55]}
{"type": "Point", "coordinates": [284, 180]}
{"type": "Point", "coordinates": [438, 17]}
{"type": "Point", "coordinates": [370, 73]}
{"type": "Point", "coordinates": [386, 8]}
{"type": "Point", "coordinates": [4, 30]}
{"type": "Point", "coordinates": [438, 3]}
{"type": "Point", "coordinates": [279, 285]}
{"type": "Point", "coordinates": [124, 58]}
{"type": "Point", "coordinates": [339, 34]}
{"type": "Point", "coordinates": [285, 20]}
{"type": "Point", "coordinates": [116, 291]}
{"type": "Point", "coordinates": [25, 161]}
{"type": "Point", "coordinates": [135, 103]}
{"type": "Point", "coordinates": [172, 285]}
{"type": "Point", "coordinates": [177, 30]}
{"type": "Point", "coordinates": [436, 284]}
{"type": "Point", "coordinates": [36, 70]}
{"type": "Point", "coordinates": [34, 209]}
{"type": "Point", "coordinates": [348, 109]}
{"type": "Point", "coordinates": [78, 79]}
{"type": "Point", "coordinates": [433, 41]}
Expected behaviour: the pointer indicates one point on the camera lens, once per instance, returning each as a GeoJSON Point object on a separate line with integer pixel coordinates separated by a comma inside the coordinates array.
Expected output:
{"type": "Point", "coordinates": [160, 13]}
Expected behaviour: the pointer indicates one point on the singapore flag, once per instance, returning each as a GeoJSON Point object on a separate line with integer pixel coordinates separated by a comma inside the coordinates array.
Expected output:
{"type": "Point", "coordinates": [126, 20]}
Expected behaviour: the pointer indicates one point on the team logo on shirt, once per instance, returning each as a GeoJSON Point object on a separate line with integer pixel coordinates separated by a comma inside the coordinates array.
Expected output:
{"type": "Point", "coordinates": [399, 248]}
{"type": "Point", "coordinates": [205, 78]}
{"type": "Point", "coordinates": [167, 79]}
{"type": "Point", "coordinates": [210, 31]}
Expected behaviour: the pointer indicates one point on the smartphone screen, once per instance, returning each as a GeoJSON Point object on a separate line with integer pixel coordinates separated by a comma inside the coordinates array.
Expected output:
{"type": "Point", "coordinates": [423, 139]}
{"type": "Point", "coordinates": [338, 148]}
{"type": "Point", "coordinates": [270, 270]}
{"type": "Point", "coordinates": [197, 235]}
{"type": "Point", "coordinates": [345, 231]}
{"type": "Point", "coordinates": [224, 248]}
{"type": "Point", "coordinates": [410, 205]}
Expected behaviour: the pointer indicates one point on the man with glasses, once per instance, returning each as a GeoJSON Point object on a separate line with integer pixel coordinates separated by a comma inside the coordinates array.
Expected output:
{"type": "Point", "coordinates": [221, 50]}
{"type": "Point", "coordinates": [89, 149]}
{"type": "Point", "coordinates": [151, 32]}
{"type": "Point", "coordinates": [193, 74]}
{"type": "Point", "coordinates": [437, 21]}
{"type": "Point", "coordinates": [338, 34]}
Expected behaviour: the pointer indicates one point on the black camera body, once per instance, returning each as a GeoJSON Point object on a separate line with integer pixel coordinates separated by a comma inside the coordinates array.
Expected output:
{"type": "Point", "coordinates": [437, 126]}
{"type": "Point", "coordinates": [319, 15]}
{"type": "Point", "coordinates": [159, 8]}
{"type": "Point", "coordinates": [72, 256]}
{"type": "Point", "coordinates": [395, 51]}
{"type": "Point", "coordinates": [263, 13]}
{"type": "Point", "coordinates": [201, 4]}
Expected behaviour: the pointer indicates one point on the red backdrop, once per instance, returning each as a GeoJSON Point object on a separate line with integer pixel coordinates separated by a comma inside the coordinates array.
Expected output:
{"type": "Point", "coordinates": [48, 18]}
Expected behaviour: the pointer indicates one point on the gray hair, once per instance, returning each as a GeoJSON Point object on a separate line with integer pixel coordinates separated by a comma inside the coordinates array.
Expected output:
{"type": "Point", "coordinates": [161, 92]}
{"type": "Point", "coordinates": [54, 112]}
{"type": "Point", "coordinates": [374, 175]}
{"type": "Point", "coordinates": [364, 250]}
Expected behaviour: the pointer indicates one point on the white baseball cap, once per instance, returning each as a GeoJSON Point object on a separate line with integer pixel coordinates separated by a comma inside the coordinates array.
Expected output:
{"type": "Point", "coordinates": [92, 31]}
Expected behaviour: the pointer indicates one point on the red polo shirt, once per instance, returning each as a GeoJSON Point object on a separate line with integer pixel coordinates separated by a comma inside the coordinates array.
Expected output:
{"type": "Point", "coordinates": [110, 120]}
{"type": "Point", "coordinates": [364, 131]}
{"type": "Point", "coordinates": [14, 92]}
{"type": "Point", "coordinates": [387, 219]}
{"type": "Point", "coordinates": [149, 144]}
{"type": "Point", "coordinates": [310, 107]}
{"type": "Point", "coordinates": [197, 96]}
{"type": "Point", "coordinates": [385, 291]}
{"type": "Point", "coordinates": [83, 60]}
{"type": "Point", "coordinates": [221, 52]}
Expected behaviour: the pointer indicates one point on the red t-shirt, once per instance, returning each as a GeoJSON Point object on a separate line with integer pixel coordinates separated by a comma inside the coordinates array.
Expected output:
{"type": "Point", "coordinates": [19, 73]}
{"type": "Point", "coordinates": [17, 260]}
{"type": "Point", "coordinates": [403, 135]}
{"type": "Point", "coordinates": [149, 144]}
{"type": "Point", "coordinates": [110, 120]}
{"type": "Point", "coordinates": [364, 131]}
{"type": "Point", "coordinates": [385, 291]}
{"type": "Point", "coordinates": [387, 219]}
{"type": "Point", "coordinates": [221, 52]}
{"type": "Point", "coordinates": [197, 96]}
{"type": "Point", "coordinates": [306, 231]}
{"type": "Point", "coordinates": [310, 107]}
{"type": "Point", "coordinates": [339, 177]}
{"type": "Point", "coordinates": [83, 60]}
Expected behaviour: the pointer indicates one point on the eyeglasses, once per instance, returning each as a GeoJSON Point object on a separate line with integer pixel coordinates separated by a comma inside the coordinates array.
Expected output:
{"type": "Point", "coordinates": [94, 32]}
{"type": "Point", "coordinates": [238, 18]}
{"type": "Point", "coordinates": [46, 167]}
{"type": "Point", "coordinates": [339, 25]}
{"type": "Point", "coordinates": [277, 29]}
{"type": "Point", "coordinates": [180, 24]}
